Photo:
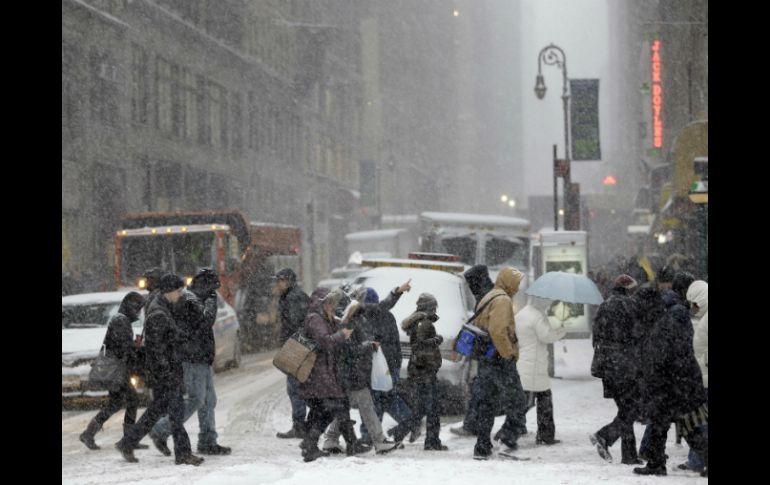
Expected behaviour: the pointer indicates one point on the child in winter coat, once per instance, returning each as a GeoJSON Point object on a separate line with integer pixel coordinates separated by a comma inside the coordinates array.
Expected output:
{"type": "Point", "coordinates": [424, 364]}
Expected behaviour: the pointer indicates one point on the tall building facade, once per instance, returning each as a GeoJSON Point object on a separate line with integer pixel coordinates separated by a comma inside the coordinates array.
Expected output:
{"type": "Point", "coordinates": [319, 114]}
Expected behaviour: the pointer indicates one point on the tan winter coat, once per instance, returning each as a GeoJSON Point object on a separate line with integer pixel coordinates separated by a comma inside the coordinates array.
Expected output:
{"type": "Point", "coordinates": [497, 317]}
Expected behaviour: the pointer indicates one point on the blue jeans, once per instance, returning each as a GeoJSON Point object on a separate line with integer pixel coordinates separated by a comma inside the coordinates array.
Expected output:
{"type": "Point", "coordinates": [394, 405]}
{"type": "Point", "coordinates": [298, 406]}
{"type": "Point", "coordinates": [199, 388]}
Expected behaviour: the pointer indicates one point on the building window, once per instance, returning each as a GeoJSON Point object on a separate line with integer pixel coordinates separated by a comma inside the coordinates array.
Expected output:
{"type": "Point", "coordinates": [253, 121]}
{"type": "Point", "coordinates": [190, 104]}
{"type": "Point", "coordinates": [70, 90]}
{"type": "Point", "coordinates": [104, 88]}
{"type": "Point", "coordinates": [140, 85]}
{"type": "Point", "coordinates": [204, 130]}
{"type": "Point", "coordinates": [237, 125]}
{"type": "Point", "coordinates": [163, 96]}
{"type": "Point", "coordinates": [178, 118]}
{"type": "Point", "coordinates": [218, 116]}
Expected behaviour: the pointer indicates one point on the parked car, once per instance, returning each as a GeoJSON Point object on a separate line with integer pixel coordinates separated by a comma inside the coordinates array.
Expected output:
{"type": "Point", "coordinates": [455, 306]}
{"type": "Point", "coordinates": [84, 325]}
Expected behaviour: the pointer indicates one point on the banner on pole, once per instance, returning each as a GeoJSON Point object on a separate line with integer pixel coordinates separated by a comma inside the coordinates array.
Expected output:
{"type": "Point", "coordinates": [584, 119]}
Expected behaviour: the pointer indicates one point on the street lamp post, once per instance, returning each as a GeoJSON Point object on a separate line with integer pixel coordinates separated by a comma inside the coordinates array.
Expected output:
{"type": "Point", "coordinates": [554, 55]}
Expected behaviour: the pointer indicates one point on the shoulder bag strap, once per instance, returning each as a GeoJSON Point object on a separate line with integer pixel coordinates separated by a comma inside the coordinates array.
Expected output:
{"type": "Point", "coordinates": [478, 312]}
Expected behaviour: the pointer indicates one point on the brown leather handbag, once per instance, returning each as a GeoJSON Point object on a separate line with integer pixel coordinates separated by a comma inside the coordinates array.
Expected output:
{"type": "Point", "coordinates": [297, 357]}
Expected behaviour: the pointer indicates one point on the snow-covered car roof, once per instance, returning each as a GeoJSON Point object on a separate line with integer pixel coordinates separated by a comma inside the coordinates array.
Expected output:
{"type": "Point", "coordinates": [97, 298]}
{"type": "Point", "coordinates": [449, 290]}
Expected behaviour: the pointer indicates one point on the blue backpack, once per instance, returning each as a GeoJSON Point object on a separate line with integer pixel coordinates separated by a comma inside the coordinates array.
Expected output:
{"type": "Point", "coordinates": [474, 342]}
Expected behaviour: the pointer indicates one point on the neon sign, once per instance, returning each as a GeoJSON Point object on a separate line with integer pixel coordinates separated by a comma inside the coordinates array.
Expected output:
{"type": "Point", "coordinates": [657, 97]}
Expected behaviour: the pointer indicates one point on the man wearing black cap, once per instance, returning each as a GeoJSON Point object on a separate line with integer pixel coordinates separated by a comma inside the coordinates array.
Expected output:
{"type": "Point", "coordinates": [163, 339]}
{"type": "Point", "coordinates": [196, 313]}
{"type": "Point", "coordinates": [292, 309]}
{"type": "Point", "coordinates": [152, 282]}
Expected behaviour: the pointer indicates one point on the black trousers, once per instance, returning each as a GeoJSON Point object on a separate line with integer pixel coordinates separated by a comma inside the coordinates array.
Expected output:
{"type": "Point", "coordinates": [322, 413]}
{"type": "Point", "coordinates": [695, 439]}
{"type": "Point", "coordinates": [546, 429]}
{"type": "Point", "coordinates": [166, 399]}
{"type": "Point", "coordinates": [125, 395]}
{"type": "Point", "coordinates": [499, 382]}
{"type": "Point", "coordinates": [623, 425]}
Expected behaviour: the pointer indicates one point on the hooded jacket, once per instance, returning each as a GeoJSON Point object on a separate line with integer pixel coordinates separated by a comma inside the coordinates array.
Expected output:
{"type": "Point", "coordinates": [535, 333]}
{"type": "Point", "coordinates": [323, 382]}
{"type": "Point", "coordinates": [497, 318]}
{"type": "Point", "coordinates": [425, 360]}
{"type": "Point", "coordinates": [292, 308]}
{"type": "Point", "coordinates": [478, 281]}
{"type": "Point", "coordinates": [163, 342]}
{"type": "Point", "coordinates": [119, 339]}
{"type": "Point", "coordinates": [698, 292]}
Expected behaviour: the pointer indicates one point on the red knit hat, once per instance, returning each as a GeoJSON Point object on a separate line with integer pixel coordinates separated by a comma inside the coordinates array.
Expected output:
{"type": "Point", "coordinates": [625, 281]}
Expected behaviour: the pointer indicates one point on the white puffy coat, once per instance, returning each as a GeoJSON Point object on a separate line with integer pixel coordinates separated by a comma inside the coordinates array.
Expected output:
{"type": "Point", "coordinates": [698, 292]}
{"type": "Point", "coordinates": [534, 333]}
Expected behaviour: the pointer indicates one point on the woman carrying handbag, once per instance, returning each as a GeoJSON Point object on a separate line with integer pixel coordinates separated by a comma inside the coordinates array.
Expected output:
{"type": "Point", "coordinates": [119, 342]}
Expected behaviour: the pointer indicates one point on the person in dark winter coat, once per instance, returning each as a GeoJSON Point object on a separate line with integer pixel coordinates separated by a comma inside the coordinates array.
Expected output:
{"type": "Point", "coordinates": [323, 391]}
{"type": "Point", "coordinates": [292, 310]}
{"type": "Point", "coordinates": [675, 301]}
{"type": "Point", "coordinates": [163, 343]}
{"type": "Point", "coordinates": [423, 366]}
{"type": "Point", "coordinates": [672, 383]}
{"type": "Point", "coordinates": [354, 367]}
{"type": "Point", "coordinates": [196, 313]}
{"type": "Point", "coordinates": [119, 342]}
{"type": "Point", "coordinates": [480, 284]}
{"type": "Point", "coordinates": [616, 363]}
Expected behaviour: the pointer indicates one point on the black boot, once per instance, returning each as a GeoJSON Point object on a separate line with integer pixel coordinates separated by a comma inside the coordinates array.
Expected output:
{"type": "Point", "coordinates": [139, 446]}
{"type": "Point", "coordinates": [309, 445]}
{"type": "Point", "coordinates": [310, 441]}
{"type": "Point", "coordinates": [160, 444]}
{"type": "Point", "coordinates": [188, 459]}
{"type": "Point", "coordinates": [214, 449]}
{"type": "Point", "coordinates": [296, 431]}
{"type": "Point", "coordinates": [87, 436]}
{"type": "Point", "coordinates": [126, 451]}
{"type": "Point", "coordinates": [647, 470]}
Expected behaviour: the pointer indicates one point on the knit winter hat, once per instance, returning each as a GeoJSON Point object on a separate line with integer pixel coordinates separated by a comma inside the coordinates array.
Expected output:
{"type": "Point", "coordinates": [426, 303]}
{"type": "Point", "coordinates": [625, 281]}
{"type": "Point", "coordinates": [170, 282]}
{"type": "Point", "coordinates": [371, 297]}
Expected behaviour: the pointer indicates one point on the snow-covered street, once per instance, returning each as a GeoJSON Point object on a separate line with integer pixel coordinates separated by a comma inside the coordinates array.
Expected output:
{"type": "Point", "coordinates": [252, 406]}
